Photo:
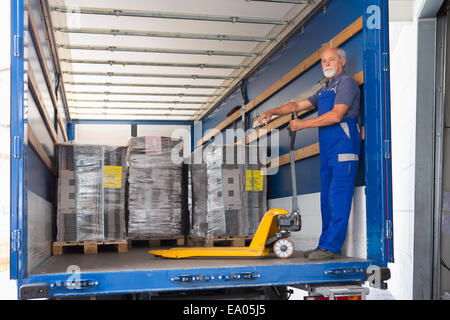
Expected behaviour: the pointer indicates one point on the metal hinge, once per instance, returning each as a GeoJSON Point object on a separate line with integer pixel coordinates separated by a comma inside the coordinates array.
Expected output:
{"type": "Point", "coordinates": [17, 45]}
{"type": "Point", "coordinates": [385, 61]}
{"type": "Point", "coordinates": [15, 240]}
{"type": "Point", "coordinates": [17, 150]}
{"type": "Point", "coordinates": [388, 229]}
{"type": "Point", "coordinates": [387, 149]}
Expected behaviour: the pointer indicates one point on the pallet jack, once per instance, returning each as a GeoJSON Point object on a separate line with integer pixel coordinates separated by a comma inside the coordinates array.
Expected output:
{"type": "Point", "coordinates": [272, 233]}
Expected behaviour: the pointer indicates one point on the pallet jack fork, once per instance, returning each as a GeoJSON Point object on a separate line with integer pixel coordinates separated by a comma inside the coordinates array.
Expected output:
{"type": "Point", "coordinates": [273, 231]}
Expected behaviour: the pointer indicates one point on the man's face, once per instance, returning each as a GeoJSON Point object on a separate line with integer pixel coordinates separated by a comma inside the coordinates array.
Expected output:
{"type": "Point", "coordinates": [332, 64]}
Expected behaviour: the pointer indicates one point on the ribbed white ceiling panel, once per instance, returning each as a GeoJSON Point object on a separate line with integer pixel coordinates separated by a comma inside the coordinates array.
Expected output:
{"type": "Point", "coordinates": [238, 8]}
{"type": "Point", "coordinates": [118, 66]}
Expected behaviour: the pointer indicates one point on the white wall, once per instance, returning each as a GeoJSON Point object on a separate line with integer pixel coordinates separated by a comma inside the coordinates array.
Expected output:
{"type": "Point", "coordinates": [104, 134]}
{"type": "Point", "coordinates": [308, 238]}
{"type": "Point", "coordinates": [160, 130]}
{"type": "Point", "coordinates": [403, 69]}
{"type": "Point", "coordinates": [119, 134]}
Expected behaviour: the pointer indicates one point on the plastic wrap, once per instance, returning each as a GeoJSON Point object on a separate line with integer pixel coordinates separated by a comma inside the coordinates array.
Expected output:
{"type": "Point", "coordinates": [155, 193]}
{"type": "Point", "coordinates": [228, 196]}
{"type": "Point", "coordinates": [91, 193]}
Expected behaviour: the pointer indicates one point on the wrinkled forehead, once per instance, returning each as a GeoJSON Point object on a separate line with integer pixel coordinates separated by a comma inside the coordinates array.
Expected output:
{"type": "Point", "coordinates": [328, 53]}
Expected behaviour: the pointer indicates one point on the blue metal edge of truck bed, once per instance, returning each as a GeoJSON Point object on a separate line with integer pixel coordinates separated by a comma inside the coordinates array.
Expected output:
{"type": "Point", "coordinates": [166, 280]}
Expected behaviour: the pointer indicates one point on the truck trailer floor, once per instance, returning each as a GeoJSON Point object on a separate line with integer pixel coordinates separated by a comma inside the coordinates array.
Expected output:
{"type": "Point", "coordinates": [138, 259]}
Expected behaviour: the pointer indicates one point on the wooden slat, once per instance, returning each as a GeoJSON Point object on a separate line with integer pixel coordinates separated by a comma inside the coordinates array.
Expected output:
{"type": "Point", "coordinates": [46, 18]}
{"type": "Point", "coordinates": [306, 64]}
{"type": "Point", "coordinates": [301, 153]}
{"type": "Point", "coordinates": [51, 36]}
{"type": "Point", "coordinates": [34, 89]}
{"type": "Point", "coordinates": [40, 52]}
{"type": "Point", "coordinates": [359, 77]}
{"type": "Point", "coordinates": [40, 151]}
{"type": "Point", "coordinates": [280, 121]}
{"type": "Point", "coordinates": [63, 144]}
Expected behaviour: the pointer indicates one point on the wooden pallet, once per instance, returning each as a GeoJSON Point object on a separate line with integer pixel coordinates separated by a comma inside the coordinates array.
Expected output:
{"type": "Point", "coordinates": [219, 242]}
{"type": "Point", "coordinates": [89, 246]}
{"type": "Point", "coordinates": [157, 242]}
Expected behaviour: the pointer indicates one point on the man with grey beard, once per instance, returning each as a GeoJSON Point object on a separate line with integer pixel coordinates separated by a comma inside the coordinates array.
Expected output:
{"type": "Point", "coordinates": [338, 104]}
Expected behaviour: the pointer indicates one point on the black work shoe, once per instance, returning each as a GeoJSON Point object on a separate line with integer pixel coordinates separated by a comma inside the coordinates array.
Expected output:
{"type": "Point", "coordinates": [323, 254]}
{"type": "Point", "coordinates": [308, 252]}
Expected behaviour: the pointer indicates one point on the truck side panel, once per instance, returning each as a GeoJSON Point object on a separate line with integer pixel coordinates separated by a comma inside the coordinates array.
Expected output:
{"type": "Point", "coordinates": [367, 51]}
{"type": "Point", "coordinates": [37, 125]}
{"type": "Point", "coordinates": [17, 163]}
{"type": "Point", "coordinates": [378, 133]}
{"type": "Point", "coordinates": [330, 21]}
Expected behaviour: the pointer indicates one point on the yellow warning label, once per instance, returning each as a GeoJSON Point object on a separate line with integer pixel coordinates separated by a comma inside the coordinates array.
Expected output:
{"type": "Point", "coordinates": [112, 176]}
{"type": "Point", "coordinates": [254, 180]}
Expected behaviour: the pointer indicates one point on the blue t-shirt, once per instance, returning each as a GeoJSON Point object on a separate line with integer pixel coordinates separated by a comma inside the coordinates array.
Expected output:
{"type": "Point", "coordinates": [347, 92]}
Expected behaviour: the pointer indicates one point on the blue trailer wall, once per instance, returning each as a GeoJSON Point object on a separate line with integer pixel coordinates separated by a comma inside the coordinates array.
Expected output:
{"type": "Point", "coordinates": [367, 51]}
{"type": "Point", "coordinates": [32, 182]}
{"type": "Point", "coordinates": [320, 29]}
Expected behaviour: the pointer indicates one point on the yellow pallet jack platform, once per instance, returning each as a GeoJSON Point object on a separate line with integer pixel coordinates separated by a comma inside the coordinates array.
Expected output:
{"type": "Point", "coordinates": [267, 229]}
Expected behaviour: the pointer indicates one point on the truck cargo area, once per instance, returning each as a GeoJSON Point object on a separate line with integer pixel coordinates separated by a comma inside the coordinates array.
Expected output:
{"type": "Point", "coordinates": [138, 259]}
{"type": "Point", "coordinates": [139, 272]}
{"type": "Point", "coordinates": [102, 72]}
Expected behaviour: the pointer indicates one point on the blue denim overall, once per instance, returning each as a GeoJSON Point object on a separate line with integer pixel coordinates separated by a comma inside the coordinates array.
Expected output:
{"type": "Point", "coordinates": [340, 148]}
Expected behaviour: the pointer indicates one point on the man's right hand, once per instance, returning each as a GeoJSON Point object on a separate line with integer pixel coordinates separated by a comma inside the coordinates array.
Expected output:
{"type": "Point", "coordinates": [265, 118]}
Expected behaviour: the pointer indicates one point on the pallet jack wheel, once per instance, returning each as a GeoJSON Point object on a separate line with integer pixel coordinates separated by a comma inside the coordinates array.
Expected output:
{"type": "Point", "coordinates": [284, 248]}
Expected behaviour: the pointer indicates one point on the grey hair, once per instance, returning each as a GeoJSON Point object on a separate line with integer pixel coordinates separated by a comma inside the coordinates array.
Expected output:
{"type": "Point", "coordinates": [341, 53]}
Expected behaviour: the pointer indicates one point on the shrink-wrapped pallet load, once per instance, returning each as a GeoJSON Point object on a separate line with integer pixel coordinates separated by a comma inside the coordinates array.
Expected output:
{"type": "Point", "coordinates": [155, 189]}
{"type": "Point", "coordinates": [229, 193]}
{"type": "Point", "coordinates": [91, 193]}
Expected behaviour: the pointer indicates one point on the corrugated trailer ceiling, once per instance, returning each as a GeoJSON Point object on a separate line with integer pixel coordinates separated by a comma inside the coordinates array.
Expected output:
{"type": "Point", "coordinates": [171, 59]}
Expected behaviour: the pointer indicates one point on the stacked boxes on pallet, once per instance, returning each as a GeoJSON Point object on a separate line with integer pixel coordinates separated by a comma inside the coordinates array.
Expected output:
{"type": "Point", "coordinates": [91, 193]}
{"type": "Point", "coordinates": [229, 193]}
{"type": "Point", "coordinates": [155, 190]}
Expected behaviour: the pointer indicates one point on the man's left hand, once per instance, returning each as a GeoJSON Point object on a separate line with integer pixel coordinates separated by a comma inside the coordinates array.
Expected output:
{"type": "Point", "coordinates": [296, 125]}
